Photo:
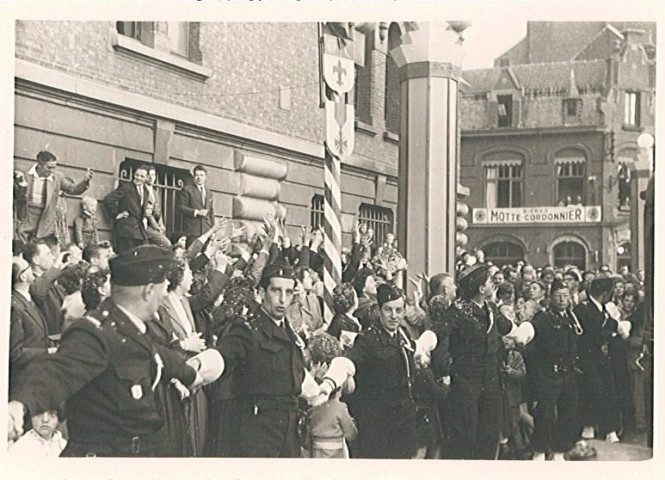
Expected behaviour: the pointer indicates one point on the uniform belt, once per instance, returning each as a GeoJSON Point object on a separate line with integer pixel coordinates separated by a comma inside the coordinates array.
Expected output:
{"type": "Point", "coordinates": [138, 446]}
{"type": "Point", "coordinates": [287, 403]}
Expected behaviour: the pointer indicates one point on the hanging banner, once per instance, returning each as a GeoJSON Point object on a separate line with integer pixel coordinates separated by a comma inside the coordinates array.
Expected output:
{"type": "Point", "coordinates": [340, 133]}
{"type": "Point", "coordinates": [338, 65]}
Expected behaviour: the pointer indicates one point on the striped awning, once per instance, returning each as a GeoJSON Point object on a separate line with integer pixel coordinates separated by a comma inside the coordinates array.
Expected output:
{"type": "Point", "coordinates": [569, 160]}
{"type": "Point", "coordinates": [513, 162]}
{"type": "Point", "coordinates": [628, 161]}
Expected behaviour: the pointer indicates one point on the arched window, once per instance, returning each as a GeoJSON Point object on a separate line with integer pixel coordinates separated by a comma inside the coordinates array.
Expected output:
{"type": "Point", "coordinates": [503, 183]}
{"type": "Point", "coordinates": [503, 253]}
{"type": "Point", "coordinates": [392, 96]}
{"type": "Point", "coordinates": [570, 171]}
{"type": "Point", "coordinates": [569, 253]}
{"type": "Point", "coordinates": [316, 211]}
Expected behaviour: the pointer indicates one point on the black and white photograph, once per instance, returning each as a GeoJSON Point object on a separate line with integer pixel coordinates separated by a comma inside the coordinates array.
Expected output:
{"type": "Point", "coordinates": [416, 238]}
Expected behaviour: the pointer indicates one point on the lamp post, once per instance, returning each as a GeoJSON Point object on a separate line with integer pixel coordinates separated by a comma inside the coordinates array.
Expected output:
{"type": "Point", "coordinates": [640, 172]}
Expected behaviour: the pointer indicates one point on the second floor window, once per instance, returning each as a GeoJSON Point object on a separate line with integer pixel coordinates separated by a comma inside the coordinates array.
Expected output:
{"type": "Point", "coordinates": [505, 110]}
{"type": "Point", "coordinates": [129, 29]}
{"type": "Point", "coordinates": [179, 38]}
{"type": "Point", "coordinates": [504, 186]}
{"type": "Point", "coordinates": [570, 183]}
{"type": "Point", "coordinates": [631, 115]}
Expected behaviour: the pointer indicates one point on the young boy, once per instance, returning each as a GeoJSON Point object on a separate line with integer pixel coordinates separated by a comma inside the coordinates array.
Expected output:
{"type": "Point", "coordinates": [44, 440]}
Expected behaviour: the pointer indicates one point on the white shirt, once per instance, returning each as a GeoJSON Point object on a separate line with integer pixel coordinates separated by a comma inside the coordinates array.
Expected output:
{"type": "Point", "coordinates": [38, 185]}
{"type": "Point", "coordinates": [181, 313]}
{"type": "Point", "coordinates": [32, 445]}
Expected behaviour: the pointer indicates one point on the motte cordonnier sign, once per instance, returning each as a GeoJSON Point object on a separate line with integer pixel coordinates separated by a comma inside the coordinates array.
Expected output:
{"type": "Point", "coordinates": [570, 214]}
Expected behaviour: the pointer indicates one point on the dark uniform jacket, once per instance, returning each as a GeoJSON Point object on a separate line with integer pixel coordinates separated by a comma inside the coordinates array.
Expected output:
{"type": "Point", "coordinates": [105, 369]}
{"type": "Point", "coordinates": [190, 200]}
{"type": "Point", "coordinates": [28, 334]}
{"type": "Point", "coordinates": [384, 364]}
{"type": "Point", "coordinates": [126, 198]}
{"type": "Point", "coordinates": [266, 361]}
{"type": "Point", "coordinates": [554, 346]}
{"type": "Point", "coordinates": [471, 333]}
{"type": "Point", "coordinates": [598, 329]}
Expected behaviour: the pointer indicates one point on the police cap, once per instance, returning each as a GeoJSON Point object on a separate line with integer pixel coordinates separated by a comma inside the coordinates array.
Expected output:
{"type": "Point", "coordinates": [141, 266]}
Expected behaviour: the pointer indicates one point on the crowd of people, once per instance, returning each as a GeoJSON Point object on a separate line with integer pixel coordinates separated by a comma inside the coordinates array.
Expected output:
{"type": "Point", "coordinates": [214, 342]}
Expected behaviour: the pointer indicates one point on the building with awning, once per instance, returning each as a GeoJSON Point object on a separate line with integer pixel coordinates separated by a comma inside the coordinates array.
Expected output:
{"type": "Point", "coordinates": [549, 137]}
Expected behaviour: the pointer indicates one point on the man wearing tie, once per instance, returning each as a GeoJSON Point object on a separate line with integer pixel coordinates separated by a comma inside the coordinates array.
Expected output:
{"type": "Point", "coordinates": [126, 205]}
{"type": "Point", "coordinates": [196, 206]}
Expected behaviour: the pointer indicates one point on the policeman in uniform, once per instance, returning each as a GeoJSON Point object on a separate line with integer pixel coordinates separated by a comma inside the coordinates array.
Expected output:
{"type": "Point", "coordinates": [382, 363]}
{"type": "Point", "coordinates": [470, 331]}
{"type": "Point", "coordinates": [107, 368]}
{"type": "Point", "coordinates": [265, 357]}
{"type": "Point", "coordinates": [554, 334]}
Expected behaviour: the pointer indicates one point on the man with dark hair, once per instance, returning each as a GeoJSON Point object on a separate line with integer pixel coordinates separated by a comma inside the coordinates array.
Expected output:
{"type": "Point", "coordinates": [98, 254]}
{"type": "Point", "coordinates": [470, 331]}
{"type": "Point", "coordinates": [599, 405]}
{"type": "Point", "coordinates": [265, 357]}
{"type": "Point", "coordinates": [44, 290]}
{"type": "Point", "coordinates": [107, 367]}
{"type": "Point", "coordinates": [196, 205]}
{"type": "Point", "coordinates": [126, 206]}
{"type": "Point", "coordinates": [43, 188]}
{"type": "Point", "coordinates": [381, 361]}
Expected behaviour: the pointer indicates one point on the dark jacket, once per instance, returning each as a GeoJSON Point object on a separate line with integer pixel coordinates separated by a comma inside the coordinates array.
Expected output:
{"type": "Point", "coordinates": [598, 328]}
{"type": "Point", "coordinates": [190, 200]}
{"type": "Point", "coordinates": [126, 198]}
{"type": "Point", "coordinates": [554, 346]}
{"type": "Point", "coordinates": [105, 369]}
{"type": "Point", "coordinates": [48, 296]}
{"type": "Point", "coordinates": [471, 334]}
{"type": "Point", "coordinates": [28, 335]}
{"type": "Point", "coordinates": [265, 360]}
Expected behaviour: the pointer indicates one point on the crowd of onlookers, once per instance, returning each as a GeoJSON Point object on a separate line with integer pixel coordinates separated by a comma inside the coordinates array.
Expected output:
{"type": "Point", "coordinates": [214, 282]}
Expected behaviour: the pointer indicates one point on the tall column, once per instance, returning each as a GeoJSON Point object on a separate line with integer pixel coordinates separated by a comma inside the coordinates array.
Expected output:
{"type": "Point", "coordinates": [429, 62]}
{"type": "Point", "coordinates": [639, 178]}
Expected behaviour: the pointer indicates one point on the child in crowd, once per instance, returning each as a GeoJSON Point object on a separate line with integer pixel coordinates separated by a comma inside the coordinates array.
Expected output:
{"type": "Point", "coordinates": [330, 425]}
{"type": "Point", "coordinates": [44, 440]}
{"type": "Point", "coordinates": [85, 225]}
{"type": "Point", "coordinates": [513, 372]}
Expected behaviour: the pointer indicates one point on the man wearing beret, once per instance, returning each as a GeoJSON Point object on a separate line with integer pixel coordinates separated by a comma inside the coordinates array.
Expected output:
{"type": "Point", "coordinates": [553, 362]}
{"type": "Point", "coordinates": [107, 368]}
{"type": "Point", "coordinates": [599, 404]}
{"type": "Point", "coordinates": [265, 357]}
{"type": "Point", "coordinates": [470, 331]}
{"type": "Point", "coordinates": [382, 363]}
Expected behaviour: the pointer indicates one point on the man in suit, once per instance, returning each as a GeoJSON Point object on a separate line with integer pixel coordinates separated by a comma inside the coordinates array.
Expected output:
{"type": "Point", "coordinates": [28, 333]}
{"type": "Point", "coordinates": [43, 185]}
{"type": "Point", "coordinates": [126, 205]}
{"type": "Point", "coordinates": [44, 290]}
{"type": "Point", "coordinates": [107, 367]}
{"type": "Point", "coordinates": [599, 404]}
{"type": "Point", "coordinates": [196, 206]}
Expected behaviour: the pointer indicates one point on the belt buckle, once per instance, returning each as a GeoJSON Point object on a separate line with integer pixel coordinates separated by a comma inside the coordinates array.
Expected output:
{"type": "Point", "coordinates": [136, 445]}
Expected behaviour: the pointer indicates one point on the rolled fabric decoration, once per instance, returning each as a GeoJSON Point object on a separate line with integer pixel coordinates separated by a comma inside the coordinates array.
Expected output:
{"type": "Point", "coordinates": [209, 364]}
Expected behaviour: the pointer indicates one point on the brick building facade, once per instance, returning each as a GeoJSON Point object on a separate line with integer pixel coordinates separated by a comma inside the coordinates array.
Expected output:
{"type": "Point", "coordinates": [548, 138]}
{"type": "Point", "coordinates": [231, 96]}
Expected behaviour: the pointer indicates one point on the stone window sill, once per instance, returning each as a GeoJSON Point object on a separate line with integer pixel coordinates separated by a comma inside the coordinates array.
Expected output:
{"type": "Point", "coordinates": [391, 137]}
{"type": "Point", "coordinates": [367, 128]}
{"type": "Point", "coordinates": [135, 48]}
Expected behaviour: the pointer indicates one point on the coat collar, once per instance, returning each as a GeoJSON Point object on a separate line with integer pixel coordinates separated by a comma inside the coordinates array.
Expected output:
{"type": "Point", "coordinates": [269, 328]}
{"type": "Point", "coordinates": [112, 316]}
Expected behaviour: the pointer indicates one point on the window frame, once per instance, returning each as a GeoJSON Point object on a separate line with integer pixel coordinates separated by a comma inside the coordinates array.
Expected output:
{"type": "Point", "coordinates": [316, 210]}
{"type": "Point", "coordinates": [511, 180]}
{"type": "Point", "coordinates": [632, 109]}
{"type": "Point", "coordinates": [506, 101]}
{"type": "Point", "coordinates": [492, 248]}
{"type": "Point", "coordinates": [580, 177]}
{"type": "Point", "coordinates": [369, 214]}
{"type": "Point", "coordinates": [562, 261]}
